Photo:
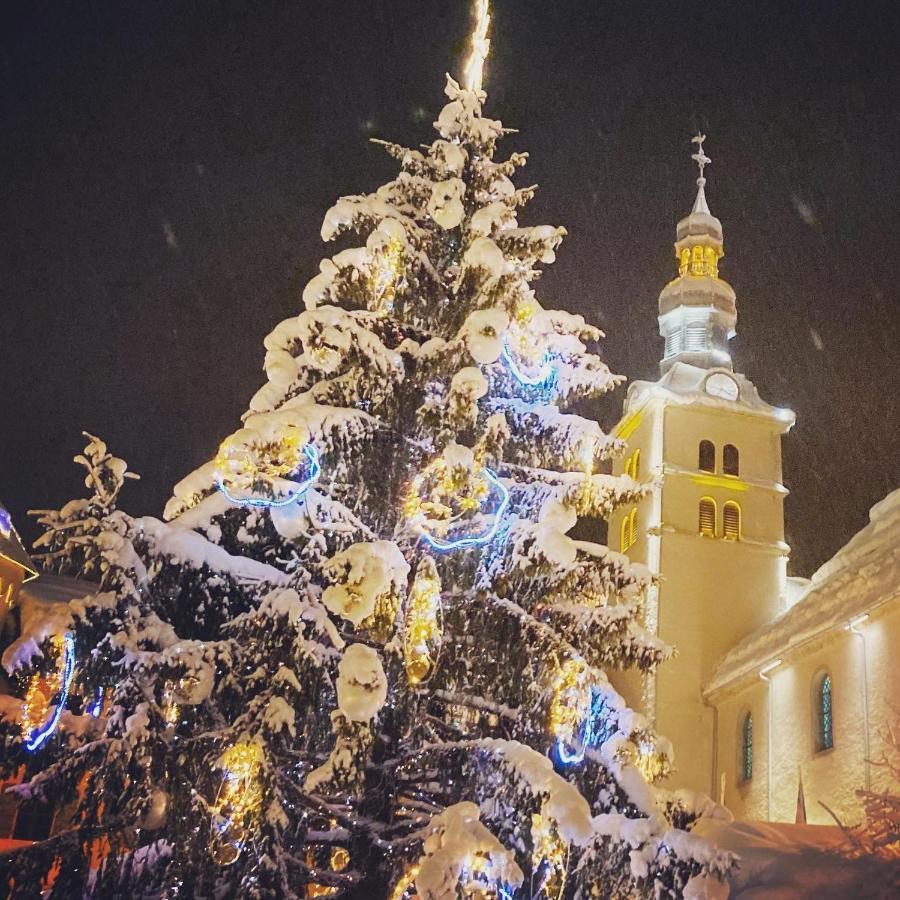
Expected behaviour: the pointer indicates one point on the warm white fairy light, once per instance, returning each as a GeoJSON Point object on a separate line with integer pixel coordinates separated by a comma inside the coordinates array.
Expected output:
{"type": "Point", "coordinates": [473, 70]}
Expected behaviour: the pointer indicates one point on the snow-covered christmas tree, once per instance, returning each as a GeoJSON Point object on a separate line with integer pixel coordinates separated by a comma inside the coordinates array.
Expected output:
{"type": "Point", "coordinates": [363, 656]}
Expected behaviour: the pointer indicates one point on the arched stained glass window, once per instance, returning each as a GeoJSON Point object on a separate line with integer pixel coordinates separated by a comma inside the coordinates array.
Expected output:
{"type": "Point", "coordinates": [707, 457]}
{"type": "Point", "coordinates": [747, 747]}
{"type": "Point", "coordinates": [824, 713]}
{"type": "Point", "coordinates": [731, 460]}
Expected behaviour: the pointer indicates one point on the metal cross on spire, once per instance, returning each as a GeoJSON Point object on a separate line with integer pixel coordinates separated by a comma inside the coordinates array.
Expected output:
{"type": "Point", "coordinates": [700, 157]}
{"type": "Point", "coordinates": [473, 69]}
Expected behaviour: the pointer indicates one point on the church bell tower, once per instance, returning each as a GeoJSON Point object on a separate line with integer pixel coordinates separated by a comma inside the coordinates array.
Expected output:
{"type": "Point", "coordinates": [713, 528]}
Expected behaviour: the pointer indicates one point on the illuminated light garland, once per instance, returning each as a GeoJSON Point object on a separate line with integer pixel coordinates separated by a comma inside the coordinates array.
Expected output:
{"type": "Point", "coordinates": [549, 849]}
{"type": "Point", "coordinates": [95, 707]}
{"type": "Point", "coordinates": [239, 799]}
{"type": "Point", "coordinates": [473, 69]}
{"type": "Point", "coordinates": [384, 278]}
{"type": "Point", "coordinates": [407, 880]}
{"type": "Point", "coordinates": [545, 378]}
{"type": "Point", "coordinates": [417, 509]}
{"type": "Point", "coordinates": [265, 502]}
{"type": "Point", "coordinates": [423, 625]}
{"type": "Point", "coordinates": [652, 765]}
{"type": "Point", "coordinates": [41, 691]}
{"type": "Point", "coordinates": [576, 710]}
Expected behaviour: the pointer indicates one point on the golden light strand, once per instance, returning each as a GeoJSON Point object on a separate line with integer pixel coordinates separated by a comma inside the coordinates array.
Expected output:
{"type": "Point", "coordinates": [41, 690]}
{"type": "Point", "coordinates": [239, 800]}
{"type": "Point", "coordinates": [473, 69]}
{"type": "Point", "coordinates": [422, 626]}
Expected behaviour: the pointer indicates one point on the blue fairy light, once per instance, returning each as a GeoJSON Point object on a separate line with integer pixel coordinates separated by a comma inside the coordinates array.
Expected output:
{"type": "Point", "coordinates": [96, 705]}
{"type": "Point", "coordinates": [265, 502]}
{"type": "Point", "coordinates": [40, 734]}
{"type": "Point", "coordinates": [591, 734]}
{"type": "Point", "coordinates": [473, 540]}
{"type": "Point", "coordinates": [546, 374]}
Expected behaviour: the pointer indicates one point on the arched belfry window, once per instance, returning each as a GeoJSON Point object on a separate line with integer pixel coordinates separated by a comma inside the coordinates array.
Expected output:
{"type": "Point", "coordinates": [731, 460]}
{"type": "Point", "coordinates": [628, 534]}
{"type": "Point", "coordinates": [824, 713]}
{"type": "Point", "coordinates": [636, 465]}
{"type": "Point", "coordinates": [747, 747]}
{"type": "Point", "coordinates": [707, 517]}
{"type": "Point", "coordinates": [731, 521]}
{"type": "Point", "coordinates": [707, 457]}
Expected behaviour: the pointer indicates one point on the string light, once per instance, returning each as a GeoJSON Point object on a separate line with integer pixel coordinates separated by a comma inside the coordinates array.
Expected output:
{"type": "Point", "coordinates": [423, 625]}
{"type": "Point", "coordinates": [315, 469]}
{"type": "Point", "coordinates": [545, 377]}
{"type": "Point", "coordinates": [575, 711]}
{"type": "Point", "coordinates": [239, 800]}
{"type": "Point", "coordinates": [468, 493]}
{"type": "Point", "coordinates": [36, 726]}
{"type": "Point", "coordinates": [652, 765]}
{"type": "Point", "coordinates": [407, 880]}
{"type": "Point", "coordinates": [550, 852]}
{"type": "Point", "coordinates": [473, 70]}
{"type": "Point", "coordinates": [96, 705]}
{"type": "Point", "coordinates": [386, 275]}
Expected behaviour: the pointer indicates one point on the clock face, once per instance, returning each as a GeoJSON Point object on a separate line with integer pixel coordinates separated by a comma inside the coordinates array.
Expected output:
{"type": "Point", "coordinates": [721, 385]}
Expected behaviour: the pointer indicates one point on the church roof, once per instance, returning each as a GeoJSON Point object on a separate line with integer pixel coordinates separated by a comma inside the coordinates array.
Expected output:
{"type": "Point", "coordinates": [861, 576]}
{"type": "Point", "coordinates": [11, 545]}
{"type": "Point", "coordinates": [684, 383]}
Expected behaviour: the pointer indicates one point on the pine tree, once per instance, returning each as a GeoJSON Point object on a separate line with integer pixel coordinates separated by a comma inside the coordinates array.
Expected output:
{"type": "Point", "coordinates": [364, 657]}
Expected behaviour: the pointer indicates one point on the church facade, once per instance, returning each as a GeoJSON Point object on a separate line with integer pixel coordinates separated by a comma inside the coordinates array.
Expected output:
{"type": "Point", "coordinates": [752, 710]}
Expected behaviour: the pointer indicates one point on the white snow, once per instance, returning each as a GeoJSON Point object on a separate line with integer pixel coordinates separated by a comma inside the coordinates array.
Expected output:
{"type": "Point", "coordinates": [361, 683]}
{"type": "Point", "coordinates": [483, 333]}
{"type": "Point", "coordinates": [445, 205]}
{"type": "Point", "coordinates": [564, 804]}
{"type": "Point", "coordinates": [450, 155]}
{"type": "Point", "coordinates": [365, 571]}
{"type": "Point", "coordinates": [457, 849]}
{"type": "Point", "coordinates": [469, 383]}
{"type": "Point", "coordinates": [483, 253]}
{"type": "Point", "coordinates": [780, 861]}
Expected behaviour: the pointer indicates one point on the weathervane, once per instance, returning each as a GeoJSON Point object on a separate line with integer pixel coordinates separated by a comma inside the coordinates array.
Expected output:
{"type": "Point", "coordinates": [473, 69]}
{"type": "Point", "coordinates": [700, 157]}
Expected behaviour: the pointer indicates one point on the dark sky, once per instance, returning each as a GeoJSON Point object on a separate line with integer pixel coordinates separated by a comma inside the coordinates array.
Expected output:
{"type": "Point", "coordinates": [164, 169]}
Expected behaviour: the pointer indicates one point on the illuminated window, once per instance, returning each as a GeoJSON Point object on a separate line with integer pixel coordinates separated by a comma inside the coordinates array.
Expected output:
{"type": "Point", "coordinates": [708, 517]}
{"type": "Point", "coordinates": [712, 263]}
{"type": "Point", "coordinates": [707, 457]}
{"type": "Point", "coordinates": [747, 747]}
{"type": "Point", "coordinates": [696, 260]}
{"type": "Point", "coordinates": [684, 261]}
{"type": "Point", "coordinates": [731, 521]}
{"type": "Point", "coordinates": [824, 707]}
{"type": "Point", "coordinates": [731, 460]}
{"type": "Point", "coordinates": [636, 465]}
{"type": "Point", "coordinates": [628, 530]}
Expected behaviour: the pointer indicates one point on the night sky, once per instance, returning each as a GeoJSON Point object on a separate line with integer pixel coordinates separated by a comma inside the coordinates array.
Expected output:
{"type": "Point", "coordinates": [165, 166]}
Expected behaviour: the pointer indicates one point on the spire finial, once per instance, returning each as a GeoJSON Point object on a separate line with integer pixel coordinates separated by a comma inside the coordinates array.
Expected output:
{"type": "Point", "coordinates": [473, 69]}
{"type": "Point", "coordinates": [702, 161]}
{"type": "Point", "coordinates": [700, 157]}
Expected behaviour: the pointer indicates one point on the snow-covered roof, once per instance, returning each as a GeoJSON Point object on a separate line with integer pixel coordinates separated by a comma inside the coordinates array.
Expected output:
{"type": "Point", "coordinates": [684, 383]}
{"type": "Point", "coordinates": [862, 576]}
{"type": "Point", "coordinates": [11, 545]}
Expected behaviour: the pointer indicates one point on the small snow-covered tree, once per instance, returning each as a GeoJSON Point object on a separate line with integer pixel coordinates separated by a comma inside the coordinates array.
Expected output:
{"type": "Point", "coordinates": [364, 656]}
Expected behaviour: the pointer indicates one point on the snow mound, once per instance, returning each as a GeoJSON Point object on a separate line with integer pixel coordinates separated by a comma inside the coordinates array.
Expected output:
{"type": "Point", "coordinates": [361, 684]}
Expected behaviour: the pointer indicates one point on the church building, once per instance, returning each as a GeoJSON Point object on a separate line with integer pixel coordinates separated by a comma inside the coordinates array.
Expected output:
{"type": "Point", "coordinates": [774, 695]}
